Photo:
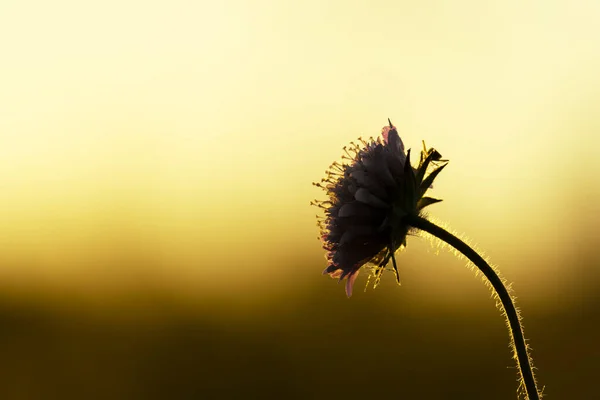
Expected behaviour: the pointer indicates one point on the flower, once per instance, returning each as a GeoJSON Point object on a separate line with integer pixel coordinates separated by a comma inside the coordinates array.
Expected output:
{"type": "Point", "coordinates": [369, 195]}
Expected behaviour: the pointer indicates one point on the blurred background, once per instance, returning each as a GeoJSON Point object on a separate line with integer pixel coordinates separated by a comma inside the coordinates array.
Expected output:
{"type": "Point", "coordinates": [156, 160]}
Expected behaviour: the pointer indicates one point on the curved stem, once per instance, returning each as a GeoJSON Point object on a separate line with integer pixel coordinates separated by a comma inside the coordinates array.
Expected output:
{"type": "Point", "coordinates": [516, 331]}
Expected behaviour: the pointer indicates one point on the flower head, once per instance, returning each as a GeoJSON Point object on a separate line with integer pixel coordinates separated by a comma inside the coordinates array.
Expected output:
{"type": "Point", "coordinates": [369, 195]}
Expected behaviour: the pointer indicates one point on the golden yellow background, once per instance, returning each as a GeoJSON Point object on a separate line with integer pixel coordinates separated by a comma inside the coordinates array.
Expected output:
{"type": "Point", "coordinates": [156, 160]}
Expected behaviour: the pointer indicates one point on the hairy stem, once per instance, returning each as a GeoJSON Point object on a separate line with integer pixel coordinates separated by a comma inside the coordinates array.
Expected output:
{"type": "Point", "coordinates": [514, 323]}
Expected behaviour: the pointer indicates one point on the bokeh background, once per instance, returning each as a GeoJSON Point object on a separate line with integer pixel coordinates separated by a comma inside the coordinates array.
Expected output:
{"type": "Point", "coordinates": [156, 160]}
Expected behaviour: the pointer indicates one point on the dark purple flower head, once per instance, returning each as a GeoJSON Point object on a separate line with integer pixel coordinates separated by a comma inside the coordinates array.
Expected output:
{"type": "Point", "coordinates": [369, 195]}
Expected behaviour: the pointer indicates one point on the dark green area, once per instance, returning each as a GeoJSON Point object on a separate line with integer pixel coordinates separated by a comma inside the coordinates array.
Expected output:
{"type": "Point", "coordinates": [322, 347]}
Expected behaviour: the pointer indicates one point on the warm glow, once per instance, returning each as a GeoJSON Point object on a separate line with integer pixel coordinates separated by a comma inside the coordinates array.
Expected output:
{"type": "Point", "coordinates": [156, 161]}
{"type": "Point", "coordinates": [177, 141]}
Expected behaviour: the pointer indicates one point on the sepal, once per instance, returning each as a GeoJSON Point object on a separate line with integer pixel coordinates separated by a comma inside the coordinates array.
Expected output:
{"type": "Point", "coordinates": [427, 201]}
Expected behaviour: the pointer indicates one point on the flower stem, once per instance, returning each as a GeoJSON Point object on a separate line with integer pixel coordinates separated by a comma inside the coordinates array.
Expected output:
{"type": "Point", "coordinates": [514, 323]}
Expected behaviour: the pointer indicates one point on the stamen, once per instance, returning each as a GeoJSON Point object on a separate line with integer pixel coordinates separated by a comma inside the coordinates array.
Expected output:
{"type": "Point", "coordinates": [347, 153]}
{"type": "Point", "coordinates": [380, 268]}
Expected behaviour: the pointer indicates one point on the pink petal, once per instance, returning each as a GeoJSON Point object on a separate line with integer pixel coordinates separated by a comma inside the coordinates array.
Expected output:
{"type": "Point", "coordinates": [364, 196]}
{"type": "Point", "coordinates": [350, 282]}
{"type": "Point", "coordinates": [335, 274]}
{"type": "Point", "coordinates": [392, 139]}
{"type": "Point", "coordinates": [385, 132]}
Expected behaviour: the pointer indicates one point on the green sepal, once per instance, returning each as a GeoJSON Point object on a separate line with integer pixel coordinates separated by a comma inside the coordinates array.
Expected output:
{"type": "Point", "coordinates": [423, 167]}
{"type": "Point", "coordinates": [427, 201]}
{"type": "Point", "coordinates": [411, 188]}
{"type": "Point", "coordinates": [430, 178]}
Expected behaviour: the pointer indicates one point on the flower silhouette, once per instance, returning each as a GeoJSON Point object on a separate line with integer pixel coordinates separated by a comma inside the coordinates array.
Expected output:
{"type": "Point", "coordinates": [375, 198]}
{"type": "Point", "coordinates": [369, 195]}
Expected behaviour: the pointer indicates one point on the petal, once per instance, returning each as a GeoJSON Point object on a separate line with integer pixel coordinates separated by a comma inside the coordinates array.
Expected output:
{"type": "Point", "coordinates": [364, 196]}
{"type": "Point", "coordinates": [396, 163]}
{"type": "Point", "coordinates": [350, 282]}
{"type": "Point", "coordinates": [357, 252]}
{"type": "Point", "coordinates": [354, 232]}
{"type": "Point", "coordinates": [335, 274]}
{"type": "Point", "coordinates": [378, 169]}
{"type": "Point", "coordinates": [392, 139]}
{"type": "Point", "coordinates": [354, 209]}
{"type": "Point", "coordinates": [364, 180]}
{"type": "Point", "coordinates": [385, 132]}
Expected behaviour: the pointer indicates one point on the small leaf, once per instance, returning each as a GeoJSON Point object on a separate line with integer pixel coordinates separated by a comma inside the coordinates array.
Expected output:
{"type": "Point", "coordinates": [430, 178]}
{"type": "Point", "coordinates": [410, 180]}
{"type": "Point", "coordinates": [427, 201]}
{"type": "Point", "coordinates": [423, 167]}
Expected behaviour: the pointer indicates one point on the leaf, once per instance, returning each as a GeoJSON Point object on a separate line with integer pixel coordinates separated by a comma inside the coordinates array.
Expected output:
{"type": "Point", "coordinates": [430, 178]}
{"type": "Point", "coordinates": [409, 180]}
{"type": "Point", "coordinates": [427, 201]}
{"type": "Point", "coordinates": [423, 168]}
